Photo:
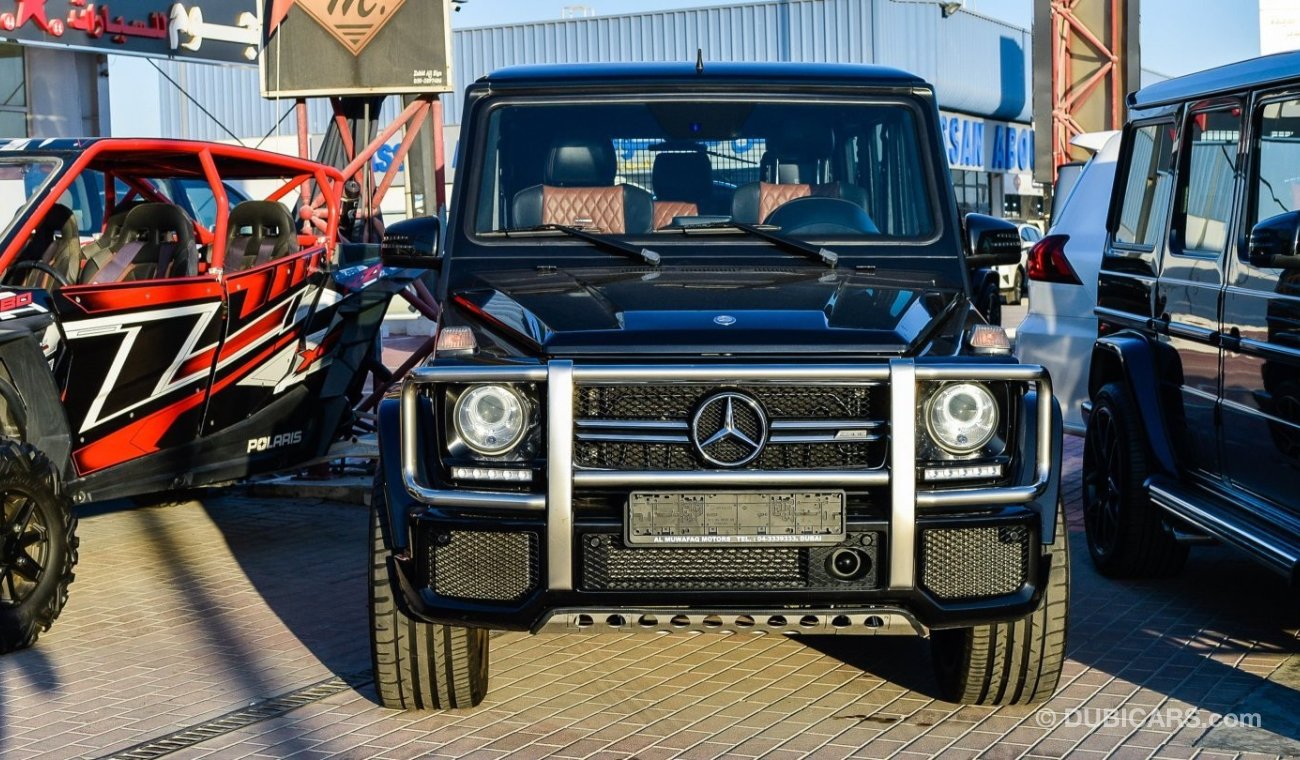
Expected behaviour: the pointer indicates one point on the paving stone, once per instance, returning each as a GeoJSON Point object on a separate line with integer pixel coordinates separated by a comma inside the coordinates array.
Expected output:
{"type": "Point", "coordinates": [188, 612]}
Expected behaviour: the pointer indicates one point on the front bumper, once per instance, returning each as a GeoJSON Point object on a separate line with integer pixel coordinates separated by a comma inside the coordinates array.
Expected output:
{"type": "Point", "coordinates": [561, 593]}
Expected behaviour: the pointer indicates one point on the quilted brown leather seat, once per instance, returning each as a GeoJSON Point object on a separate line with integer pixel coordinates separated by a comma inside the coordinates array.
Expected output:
{"type": "Point", "coordinates": [578, 190]}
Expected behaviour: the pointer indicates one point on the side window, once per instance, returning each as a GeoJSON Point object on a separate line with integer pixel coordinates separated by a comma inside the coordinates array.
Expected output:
{"type": "Point", "coordinates": [1277, 189]}
{"type": "Point", "coordinates": [1147, 185]}
{"type": "Point", "coordinates": [1205, 206]}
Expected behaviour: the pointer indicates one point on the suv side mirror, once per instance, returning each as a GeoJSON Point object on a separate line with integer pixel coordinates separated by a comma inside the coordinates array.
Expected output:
{"type": "Point", "coordinates": [991, 241]}
{"type": "Point", "coordinates": [1275, 242]}
{"type": "Point", "coordinates": [413, 244]}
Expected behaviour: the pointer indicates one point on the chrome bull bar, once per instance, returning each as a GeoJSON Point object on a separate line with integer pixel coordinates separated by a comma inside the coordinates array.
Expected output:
{"type": "Point", "coordinates": [561, 378]}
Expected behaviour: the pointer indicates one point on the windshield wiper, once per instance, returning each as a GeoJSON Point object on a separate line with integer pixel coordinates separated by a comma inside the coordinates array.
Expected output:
{"type": "Point", "coordinates": [789, 245]}
{"type": "Point", "coordinates": [645, 255]}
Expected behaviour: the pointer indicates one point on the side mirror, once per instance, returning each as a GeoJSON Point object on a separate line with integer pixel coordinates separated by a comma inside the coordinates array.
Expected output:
{"type": "Point", "coordinates": [413, 244]}
{"type": "Point", "coordinates": [991, 241]}
{"type": "Point", "coordinates": [1275, 242]}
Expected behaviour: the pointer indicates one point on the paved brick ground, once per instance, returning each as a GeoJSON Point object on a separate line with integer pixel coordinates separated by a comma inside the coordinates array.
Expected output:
{"type": "Point", "coordinates": [184, 613]}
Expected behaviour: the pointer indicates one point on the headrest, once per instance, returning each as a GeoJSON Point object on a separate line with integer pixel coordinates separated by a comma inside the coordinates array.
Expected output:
{"type": "Point", "coordinates": [683, 177]}
{"type": "Point", "coordinates": [581, 163]}
{"type": "Point", "coordinates": [158, 219]}
{"type": "Point", "coordinates": [269, 219]}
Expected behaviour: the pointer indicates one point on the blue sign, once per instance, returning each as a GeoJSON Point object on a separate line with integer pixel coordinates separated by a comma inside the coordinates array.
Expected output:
{"type": "Point", "coordinates": [978, 145]}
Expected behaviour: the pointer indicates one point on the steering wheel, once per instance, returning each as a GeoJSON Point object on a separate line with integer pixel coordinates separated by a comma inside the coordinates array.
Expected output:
{"type": "Point", "coordinates": [822, 216]}
{"type": "Point", "coordinates": [39, 266]}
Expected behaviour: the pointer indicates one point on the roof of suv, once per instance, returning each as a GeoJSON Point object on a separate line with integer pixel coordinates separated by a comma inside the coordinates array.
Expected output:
{"type": "Point", "coordinates": [714, 73]}
{"type": "Point", "coordinates": [1233, 77]}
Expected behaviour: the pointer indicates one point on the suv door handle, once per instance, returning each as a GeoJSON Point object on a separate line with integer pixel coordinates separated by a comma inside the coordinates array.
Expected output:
{"type": "Point", "coordinates": [1159, 324]}
{"type": "Point", "coordinates": [1230, 341]}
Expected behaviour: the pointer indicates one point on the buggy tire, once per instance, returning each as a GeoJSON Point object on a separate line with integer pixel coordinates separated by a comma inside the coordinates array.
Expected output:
{"type": "Point", "coordinates": [38, 545]}
{"type": "Point", "coordinates": [1127, 536]}
{"type": "Point", "coordinates": [1016, 662]}
{"type": "Point", "coordinates": [418, 665]}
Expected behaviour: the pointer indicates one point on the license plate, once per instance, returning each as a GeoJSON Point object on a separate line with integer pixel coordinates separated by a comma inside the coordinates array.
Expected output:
{"type": "Point", "coordinates": [730, 518]}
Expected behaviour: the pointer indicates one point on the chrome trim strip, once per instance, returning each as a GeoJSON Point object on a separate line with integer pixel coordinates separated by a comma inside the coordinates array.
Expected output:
{"type": "Point", "coordinates": [724, 373]}
{"type": "Point", "coordinates": [1268, 350]}
{"type": "Point", "coordinates": [902, 465]}
{"type": "Point", "coordinates": [603, 424]}
{"type": "Point", "coordinates": [559, 477]}
{"type": "Point", "coordinates": [1278, 558]}
{"type": "Point", "coordinates": [632, 437]}
{"type": "Point", "coordinates": [974, 497]}
{"type": "Point", "coordinates": [789, 438]}
{"type": "Point", "coordinates": [827, 424]}
{"type": "Point", "coordinates": [982, 372]}
{"type": "Point", "coordinates": [1123, 317]}
{"type": "Point", "coordinates": [487, 373]}
{"type": "Point", "coordinates": [753, 478]}
{"type": "Point", "coordinates": [857, 621]}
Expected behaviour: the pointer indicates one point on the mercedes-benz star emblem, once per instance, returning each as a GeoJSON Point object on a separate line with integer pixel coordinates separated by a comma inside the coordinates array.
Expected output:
{"type": "Point", "coordinates": [725, 320]}
{"type": "Point", "coordinates": [729, 429]}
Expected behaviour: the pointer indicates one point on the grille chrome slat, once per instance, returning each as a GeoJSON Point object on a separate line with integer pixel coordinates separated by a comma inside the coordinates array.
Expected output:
{"type": "Point", "coordinates": [812, 426]}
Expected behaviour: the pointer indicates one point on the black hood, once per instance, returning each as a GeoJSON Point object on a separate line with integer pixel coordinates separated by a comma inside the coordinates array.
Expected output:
{"type": "Point", "coordinates": [710, 311]}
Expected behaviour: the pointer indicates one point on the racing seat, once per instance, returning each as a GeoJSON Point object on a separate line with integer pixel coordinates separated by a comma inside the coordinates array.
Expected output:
{"type": "Point", "coordinates": [53, 244]}
{"type": "Point", "coordinates": [793, 167]}
{"type": "Point", "coordinates": [157, 241]}
{"type": "Point", "coordinates": [683, 185]}
{"type": "Point", "coordinates": [578, 190]}
{"type": "Point", "coordinates": [260, 232]}
{"type": "Point", "coordinates": [98, 252]}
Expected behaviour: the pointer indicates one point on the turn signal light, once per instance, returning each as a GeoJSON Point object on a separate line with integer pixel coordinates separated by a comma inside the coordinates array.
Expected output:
{"type": "Point", "coordinates": [455, 339]}
{"type": "Point", "coordinates": [1047, 262]}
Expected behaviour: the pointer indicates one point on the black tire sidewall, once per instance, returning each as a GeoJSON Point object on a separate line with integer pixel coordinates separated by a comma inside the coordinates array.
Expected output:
{"type": "Point", "coordinates": [25, 471]}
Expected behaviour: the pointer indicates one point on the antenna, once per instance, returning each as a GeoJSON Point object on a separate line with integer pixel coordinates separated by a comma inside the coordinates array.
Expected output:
{"type": "Point", "coordinates": [699, 60]}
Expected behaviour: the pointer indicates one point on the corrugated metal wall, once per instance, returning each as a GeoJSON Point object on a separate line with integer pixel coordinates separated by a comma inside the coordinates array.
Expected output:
{"type": "Point", "coordinates": [232, 95]}
{"type": "Point", "coordinates": [979, 65]}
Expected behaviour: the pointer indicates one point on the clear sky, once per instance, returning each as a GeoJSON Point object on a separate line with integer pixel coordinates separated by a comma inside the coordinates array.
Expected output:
{"type": "Point", "coordinates": [1177, 36]}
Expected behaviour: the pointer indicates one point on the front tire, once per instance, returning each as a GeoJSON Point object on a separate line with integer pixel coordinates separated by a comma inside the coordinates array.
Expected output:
{"type": "Point", "coordinates": [418, 665]}
{"type": "Point", "coordinates": [1014, 663]}
{"type": "Point", "coordinates": [38, 545]}
{"type": "Point", "coordinates": [1127, 537]}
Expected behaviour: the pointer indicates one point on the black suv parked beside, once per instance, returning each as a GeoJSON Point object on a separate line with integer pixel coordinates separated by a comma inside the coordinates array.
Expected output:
{"type": "Point", "coordinates": [709, 362]}
{"type": "Point", "coordinates": [1194, 426]}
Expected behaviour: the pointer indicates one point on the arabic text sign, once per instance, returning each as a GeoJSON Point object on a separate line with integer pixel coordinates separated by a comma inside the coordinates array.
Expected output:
{"type": "Point", "coordinates": [356, 47]}
{"type": "Point", "coordinates": [210, 30]}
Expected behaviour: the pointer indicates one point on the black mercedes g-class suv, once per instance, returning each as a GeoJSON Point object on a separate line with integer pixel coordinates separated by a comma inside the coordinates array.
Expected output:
{"type": "Point", "coordinates": [709, 362]}
{"type": "Point", "coordinates": [1194, 424]}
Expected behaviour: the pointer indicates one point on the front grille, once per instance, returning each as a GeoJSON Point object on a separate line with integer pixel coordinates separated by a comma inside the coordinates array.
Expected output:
{"type": "Point", "coordinates": [610, 565]}
{"type": "Point", "coordinates": [647, 426]}
{"type": "Point", "coordinates": [492, 566]}
{"type": "Point", "coordinates": [975, 563]}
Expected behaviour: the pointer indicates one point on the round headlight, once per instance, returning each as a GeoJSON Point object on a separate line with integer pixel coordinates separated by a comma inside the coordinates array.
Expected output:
{"type": "Point", "coordinates": [962, 417]}
{"type": "Point", "coordinates": [490, 419]}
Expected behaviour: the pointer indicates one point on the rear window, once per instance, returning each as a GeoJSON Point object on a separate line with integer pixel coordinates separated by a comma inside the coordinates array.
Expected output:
{"type": "Point", "coordinates": [1209, 181]}
{"type": "Point", "coordinates": [1146, 188]}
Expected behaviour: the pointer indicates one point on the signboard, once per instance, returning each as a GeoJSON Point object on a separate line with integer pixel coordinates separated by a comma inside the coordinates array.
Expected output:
{"type": "Point", "coordinates": [1279, 26]}
{"type": "Point", "coordinates": [356, 47]}
{"type": "Point", "coordinates": [987, 146]}
{"type": "Point", "coordinates": [208, 30]}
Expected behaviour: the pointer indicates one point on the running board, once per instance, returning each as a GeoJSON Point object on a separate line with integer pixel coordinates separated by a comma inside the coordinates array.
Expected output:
{"type": "Point", "coordinates": [1274, 544]}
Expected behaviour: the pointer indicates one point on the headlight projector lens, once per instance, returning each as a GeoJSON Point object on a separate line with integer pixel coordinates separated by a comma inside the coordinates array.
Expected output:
{"type": "Point", "coordinates": [490, 419]}
{"type": "Point", "coordinates": [962, 417]}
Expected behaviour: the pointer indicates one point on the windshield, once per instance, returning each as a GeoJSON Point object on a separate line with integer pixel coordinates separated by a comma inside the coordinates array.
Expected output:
{"type": "Point", "coordinates": [823, 170]}
{"type": "Point", "coordinates": [21, 182]}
